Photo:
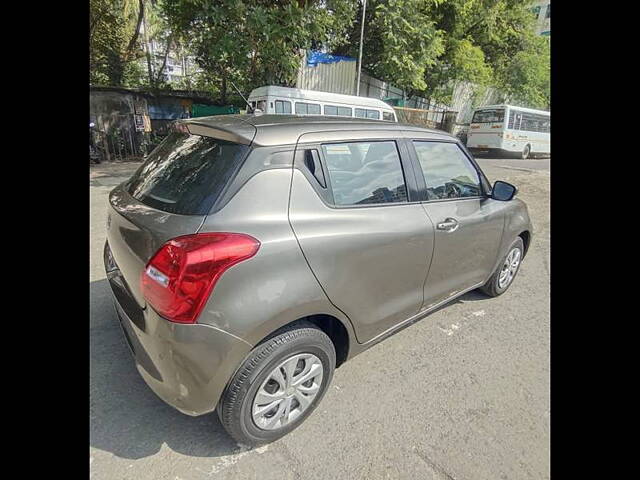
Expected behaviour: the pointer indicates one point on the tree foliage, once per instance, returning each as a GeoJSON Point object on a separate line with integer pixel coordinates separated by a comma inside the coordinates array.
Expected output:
{"type": "Point", "coordinates": [421, 46]}
{"type": "Point", "coordinates": [400, 42]}
{"type": "Point", "coordinates": [526, 78]}
{"type": "Point", "coordinates": [114, 33]}
{"type": "Point", "coordinates": [256, 42]}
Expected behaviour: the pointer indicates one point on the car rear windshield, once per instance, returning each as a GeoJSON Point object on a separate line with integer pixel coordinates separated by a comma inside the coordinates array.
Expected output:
{"type": "Point", "coordinates": [185, 174]}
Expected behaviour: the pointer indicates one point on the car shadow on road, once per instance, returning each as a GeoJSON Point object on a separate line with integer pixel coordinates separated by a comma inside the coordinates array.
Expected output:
{"type": "Point", "coordinates": [126, 417]}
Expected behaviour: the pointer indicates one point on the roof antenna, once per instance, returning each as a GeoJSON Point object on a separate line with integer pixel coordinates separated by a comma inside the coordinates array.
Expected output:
{"type": "Point", "coordinates": [251, 109]}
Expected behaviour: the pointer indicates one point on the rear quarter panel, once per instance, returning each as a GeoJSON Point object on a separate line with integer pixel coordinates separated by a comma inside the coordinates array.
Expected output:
{"type": "Point", "coordinates": [276, 286]}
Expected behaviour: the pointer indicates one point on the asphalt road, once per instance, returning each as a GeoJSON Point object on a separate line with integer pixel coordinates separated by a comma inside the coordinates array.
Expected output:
{"type": "Point", "coordinates": [463, 394]}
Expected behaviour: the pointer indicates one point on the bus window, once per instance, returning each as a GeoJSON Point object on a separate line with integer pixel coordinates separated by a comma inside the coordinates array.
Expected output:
{"type": "Point", "coordinates": [307, 108]}
{"type": "Point", "coordinates": [515, 118]}
{"type": "Point", "coordinates": [488, 116]}
{"type": "Point", "coordinates": [365, 113]}
{"type": "Point", "coordinates": [340, 111]}
{"type": "Point", "coordinates": [282, 106]}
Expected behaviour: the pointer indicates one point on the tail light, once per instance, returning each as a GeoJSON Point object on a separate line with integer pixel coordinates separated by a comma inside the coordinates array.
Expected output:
{"type": "Point", "coordinates": [181, 275]}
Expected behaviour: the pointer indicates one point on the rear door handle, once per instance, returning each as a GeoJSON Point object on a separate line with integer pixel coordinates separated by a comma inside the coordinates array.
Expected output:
{"type": "Point", "coordinates": [449, 225]}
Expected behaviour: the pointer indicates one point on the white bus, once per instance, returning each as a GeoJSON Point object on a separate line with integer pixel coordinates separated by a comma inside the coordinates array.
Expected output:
{"type": "Point", "coordinates": [283, 100]}
{"type": "Point", "coordinates": [505, 129]}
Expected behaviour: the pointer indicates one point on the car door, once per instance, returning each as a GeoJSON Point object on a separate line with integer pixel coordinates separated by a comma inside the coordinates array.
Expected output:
{"type": "Point", "coordinates": [468, 224]}
{"type": "Point", "coordinates": [356, 213]}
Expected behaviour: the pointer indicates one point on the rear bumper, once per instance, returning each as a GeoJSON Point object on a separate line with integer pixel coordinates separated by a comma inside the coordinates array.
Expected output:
{"type": "Point", "coordinates": [187, 366]}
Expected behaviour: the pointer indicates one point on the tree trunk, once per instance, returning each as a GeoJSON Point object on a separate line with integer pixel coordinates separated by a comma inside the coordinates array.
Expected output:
{"type": "Point", "coordinates": [164, 60]}
{"type": "Point", "coordinates": [132, 43]}
{"type": "Point", "coordinates": [223, 88]}
{"type": "Point", "coordinates": [147, 52]}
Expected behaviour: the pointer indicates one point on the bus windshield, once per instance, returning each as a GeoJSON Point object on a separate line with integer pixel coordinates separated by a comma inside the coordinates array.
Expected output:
{"type": "Point", "coordinates": [488, 115]}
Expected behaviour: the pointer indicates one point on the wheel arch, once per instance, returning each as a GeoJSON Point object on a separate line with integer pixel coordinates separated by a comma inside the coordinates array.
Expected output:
{"type": "Point", "coordinates": [331, 325]}
{"type": "Point", "coordinates": [526, 239]}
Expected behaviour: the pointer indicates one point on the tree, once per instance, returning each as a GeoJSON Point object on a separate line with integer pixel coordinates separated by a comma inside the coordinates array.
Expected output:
{"type": "Point", "coordinates": [481, 37]}
{"type": "Point", "coordinates": [401, 41]}
{"type": "Point", "coordinates": [256, 42]}
{"type": "Point", "coordinates": [114, 29]}
{"type": "Point", "coordinates": [426, 46]}
{"type": "Point", "coordinates": [526, 78]}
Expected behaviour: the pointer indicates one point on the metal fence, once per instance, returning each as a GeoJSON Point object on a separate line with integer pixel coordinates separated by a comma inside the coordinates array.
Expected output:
{"type": "Point", "coordinates": [116, 138]}
{"type": "Point", "coordinates": [440, 119]}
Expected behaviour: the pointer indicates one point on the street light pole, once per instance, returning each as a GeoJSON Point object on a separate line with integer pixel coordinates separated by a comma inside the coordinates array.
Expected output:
{"type": "Point", "coordinates": [364, 9]}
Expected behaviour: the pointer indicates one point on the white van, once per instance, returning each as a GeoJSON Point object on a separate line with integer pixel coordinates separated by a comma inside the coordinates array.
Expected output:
{"type": "Point", "coordinates": [511, 130]}
{"type": "Point", "coordinates": [283, 100]}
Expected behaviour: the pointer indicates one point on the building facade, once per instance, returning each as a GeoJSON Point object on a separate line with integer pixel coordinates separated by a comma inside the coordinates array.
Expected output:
{"type": "Point", "coordinates": [542, 11]}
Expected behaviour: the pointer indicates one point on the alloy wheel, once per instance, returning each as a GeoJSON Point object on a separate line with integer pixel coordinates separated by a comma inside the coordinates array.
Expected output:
{"type": "Point", "coordinates": [509, 268]}
{"type": "Point", "coordinates": [287, 392]}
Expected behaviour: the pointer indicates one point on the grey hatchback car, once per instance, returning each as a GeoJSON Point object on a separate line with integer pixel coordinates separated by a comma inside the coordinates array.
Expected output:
{"type": "Point", "coordinates": [251, 255]}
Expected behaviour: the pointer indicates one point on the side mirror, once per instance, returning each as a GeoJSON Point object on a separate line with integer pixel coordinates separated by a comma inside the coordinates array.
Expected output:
{"type": "Point", "coordinates": [503, 191]}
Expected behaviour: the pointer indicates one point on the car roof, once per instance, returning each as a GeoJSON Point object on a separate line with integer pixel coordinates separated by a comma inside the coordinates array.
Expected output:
{"type": "Point", "coordinates": [272, 130]}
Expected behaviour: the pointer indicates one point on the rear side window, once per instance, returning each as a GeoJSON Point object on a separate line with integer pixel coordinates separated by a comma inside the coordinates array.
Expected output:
{"type": "Point", "coordinates": [365, 173]}
{"type": "Point", "coordinates": [307, 108]}
{"type": "Point", "coordinates": [388, 116]}
{"type": "Point", "coordinates": [447, 171]}
{"type": "Point", "coordinates": [186, 174]}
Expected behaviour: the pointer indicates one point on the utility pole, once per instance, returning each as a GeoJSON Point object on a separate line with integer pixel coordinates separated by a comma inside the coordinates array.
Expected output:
{"type": "Point", "coordinates": [364, 9]}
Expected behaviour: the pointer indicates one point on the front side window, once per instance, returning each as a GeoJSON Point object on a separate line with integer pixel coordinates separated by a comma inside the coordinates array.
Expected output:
{"type": "Point", "coordinates": [365, 173]}
{"type": "Point", "coordinates": [548, 15]}
{"type": "Point", "coordinates": [447, 171]}
{"type": "Point", "coordinates": [282, 106]}
{"type": "Point", "coordinates": [307, 108]}
{"type": "Point", "coordinates": [488, 115]}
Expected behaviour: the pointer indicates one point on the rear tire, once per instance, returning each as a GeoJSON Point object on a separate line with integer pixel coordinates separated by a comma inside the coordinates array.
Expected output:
{"type": "Point", "coordinates": [526, 152]}
{"type": "Point", "coordinates": [270, 394]}
{"type": "Point", "coordinates": [506, 272]}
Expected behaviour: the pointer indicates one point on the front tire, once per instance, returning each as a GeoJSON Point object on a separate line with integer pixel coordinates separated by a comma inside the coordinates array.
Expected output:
{"type": "Point", "coordinates": [507, 270]}
{"type": "Point", "coordinates": [526, 152]}
{"type": "Point", "coordinates": [279, 385]}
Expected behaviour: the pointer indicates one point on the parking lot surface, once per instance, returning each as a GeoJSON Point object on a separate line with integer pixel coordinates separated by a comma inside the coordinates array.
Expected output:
{"type": "Point", "coordinates": [462, 394]}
